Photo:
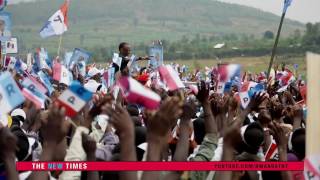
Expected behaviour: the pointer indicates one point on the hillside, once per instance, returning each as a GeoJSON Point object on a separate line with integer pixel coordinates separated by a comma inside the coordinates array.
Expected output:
{"type": "Point", "coordinates": [104, 22]}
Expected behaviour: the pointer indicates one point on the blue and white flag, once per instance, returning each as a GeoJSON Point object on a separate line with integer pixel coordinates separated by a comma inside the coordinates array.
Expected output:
{"type": "Point", "coordinates": [74, 98]}
{"type": "Point", "coordinates": [78, 56]}
{"type": "Point", "coordinates": [287, 3]}
{"type": "Point", "coordinates": [45, 79]}
{"type": "Point", "coordinates": [67, 58]}
{"type": "Point", "coordinates": [57, 23]}
{"type": "Point", "coordinates": [32, 93]}
{"type": "Point", "coordinates": [10, 94]}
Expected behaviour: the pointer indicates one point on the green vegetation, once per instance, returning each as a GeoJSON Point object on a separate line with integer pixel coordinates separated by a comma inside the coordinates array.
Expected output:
{"type": "Point", "coordinates": [99, 24]}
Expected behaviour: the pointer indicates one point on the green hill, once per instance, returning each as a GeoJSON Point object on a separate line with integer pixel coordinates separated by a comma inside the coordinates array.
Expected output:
{"type": "Point", "coordinates": [104, 22]}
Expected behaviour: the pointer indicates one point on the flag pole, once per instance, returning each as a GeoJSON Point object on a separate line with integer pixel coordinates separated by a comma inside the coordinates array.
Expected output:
{"type": "Point", "coordinates": [275, 45]}
{"type": "Point", "coordinates": [59, 46]}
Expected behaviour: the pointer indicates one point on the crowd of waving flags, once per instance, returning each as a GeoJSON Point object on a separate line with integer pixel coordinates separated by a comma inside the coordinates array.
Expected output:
{"type": "Point", "coordinates": [40, 81]}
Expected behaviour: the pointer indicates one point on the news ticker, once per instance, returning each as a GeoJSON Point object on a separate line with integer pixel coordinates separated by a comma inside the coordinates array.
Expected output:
{"type": "Point", "coordinates": [160, 166]}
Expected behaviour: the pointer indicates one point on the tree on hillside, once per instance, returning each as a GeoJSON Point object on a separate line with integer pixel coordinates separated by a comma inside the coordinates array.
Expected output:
{"type": "Point", "coordinates": [312, 35]}
{"type": "Point", "coordinates": [268, 35]}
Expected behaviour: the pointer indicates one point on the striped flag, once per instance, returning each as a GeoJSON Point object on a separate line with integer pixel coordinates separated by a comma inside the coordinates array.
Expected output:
{"type": "Point", "coordinates": [74, 98]}
{"type": "Point", "coordinates": [272, 152]}
{"type": "Point", "coordinates": [42, 59]}
{"type": "Point", "coordinates": [10, 94]}
{"type": "Point", "coordinates": [62, 74]}
{"type": "Point", "coordinates": [32, 93]}
{"type": "Point", "coordinates": [228, 72]}
{"type": "Point", "coordinates": [248, 89]}
{"type": "Point", "coordinates": [136, 93]}
{"type": "Point", "coordinates": [44, 78]}
{"type": "Point", "coordinates": [170, 77]}
{"type": "Point", "coordinates": [38, 84]}
{"type": "Point", "coordinates": [57, 23]}
{"type": "Point", "coordinates": [108, 77]}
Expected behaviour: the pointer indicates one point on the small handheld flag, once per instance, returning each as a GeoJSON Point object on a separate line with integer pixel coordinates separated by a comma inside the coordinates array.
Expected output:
{"type": "Point", "coordinates": [78, 55]}
{"type": "Point", "coordinates": [57, 23]}
{"type": "Point", "coordinates": [248, 89]}
{"type": "Point", "coordinates": [228, 72]}
{"type": "Point", "coordinates": [61, 74]}
{"type": "Point", "coordinates": [170, 77]}
{"type": "Point", "coordinates": [10, 94]}
{"type": "Point", "coordinates": [136, 93]}
{"type": "Point", "coordinates": [31, 92]}
{"type": "Point", "coordinates": [74, 98]}
{"type": "Point", "coordinates": [46, 81]}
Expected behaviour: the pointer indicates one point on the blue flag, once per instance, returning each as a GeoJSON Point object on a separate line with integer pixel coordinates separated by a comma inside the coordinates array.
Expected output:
{"type": "Point", "coordinates": [45, 79]}
{"type": "Point", "coordinates": [10, 94]}
{"type": "Point", "coordinates": [287, 3]}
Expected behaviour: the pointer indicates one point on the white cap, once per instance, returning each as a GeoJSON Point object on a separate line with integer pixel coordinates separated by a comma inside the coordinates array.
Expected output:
{"type": "Point", "coordinates": [93, 71]}
{"type": "Point", "coordinates": [18, 112]}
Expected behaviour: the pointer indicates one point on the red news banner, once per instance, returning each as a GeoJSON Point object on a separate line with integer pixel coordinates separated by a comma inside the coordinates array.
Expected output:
{"type": "Point", "coordinates": [160, 166]}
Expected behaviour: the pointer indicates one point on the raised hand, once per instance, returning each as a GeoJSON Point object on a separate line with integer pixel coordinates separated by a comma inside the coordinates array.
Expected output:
{"type": "Point", "coordinates": [203, 94]}
{"type": "Point", "coordinates": [279, 135]}
{"type": "Point", "coordinates": [257, 100]}
{"type": "Point", "coordinates": [8, 144]}
{"type": "Point", "coordinates": [55, 129]}
{"type": "Point", "coordinates": [89, 146]}
{"type": "Point", "coordinates": [166, 117]}
{"type": "Point", "coordinates": [189, 110]}
{"type": "Point", "coordinates": [120, 119]}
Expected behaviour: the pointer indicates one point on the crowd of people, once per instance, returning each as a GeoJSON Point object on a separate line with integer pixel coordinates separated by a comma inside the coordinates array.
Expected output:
{"type": "Point", "coordinates": [195, 123]}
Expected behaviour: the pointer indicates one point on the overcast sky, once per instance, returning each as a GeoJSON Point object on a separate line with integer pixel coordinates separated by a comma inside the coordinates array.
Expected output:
{"type": "Point", "coordinates": [301, 10]}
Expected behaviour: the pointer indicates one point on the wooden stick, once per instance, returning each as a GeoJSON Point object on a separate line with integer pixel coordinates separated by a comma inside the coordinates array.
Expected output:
{"type": "Point", "coordinates": [59, 47]}
{"type": "Point", "coordinates": [275, 44]}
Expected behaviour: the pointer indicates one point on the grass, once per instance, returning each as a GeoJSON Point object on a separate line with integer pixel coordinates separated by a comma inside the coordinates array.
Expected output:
{"type": "Point", "coordinates": [252, 64]}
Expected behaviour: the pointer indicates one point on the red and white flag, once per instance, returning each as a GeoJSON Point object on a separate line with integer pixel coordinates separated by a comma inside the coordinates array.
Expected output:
{"type": "Point", "coordinates": [170, 77]}
{"type": "Point", "coordinates": [61, 73]}
{"type": "Point", "coordinates": [272, 152]}
{"type": "Point", "coordinates": [57, 23]}
{"type": "Point", "coordinates": [137, 93]}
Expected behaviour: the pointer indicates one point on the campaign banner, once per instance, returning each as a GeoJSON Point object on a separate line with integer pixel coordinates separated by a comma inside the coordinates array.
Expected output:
{"type": "Point", "coordinates": [78, 56]}
{"type": "Point", "coordinates": [11, 46]}
{"type": "Point", "coordinates": [156, 56]}
{"type": "Point", "coordinates": [5, 26]}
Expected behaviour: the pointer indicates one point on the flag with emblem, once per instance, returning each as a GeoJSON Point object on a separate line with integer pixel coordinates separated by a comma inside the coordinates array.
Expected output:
{"type": "Point", "coordinates": [74, 98]}
{"type": "Point", "coordinates": [10, 94]}
{"type": "Point", "coordinates": [32, 93]}
{"type": "Point", "coordinates": [57, 23]}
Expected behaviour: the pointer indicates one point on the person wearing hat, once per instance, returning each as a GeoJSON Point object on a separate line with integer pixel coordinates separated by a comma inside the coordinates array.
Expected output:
{"type": "Point", "coordinates": [94, 83]}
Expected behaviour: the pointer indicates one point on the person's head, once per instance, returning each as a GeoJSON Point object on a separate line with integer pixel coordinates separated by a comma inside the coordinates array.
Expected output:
{"type": "Point", "coordinates": [124, 49]}
{"type": "Point", "coordinates": [245, 175]}
{"type": "Point", "coordinates": [252, 137]}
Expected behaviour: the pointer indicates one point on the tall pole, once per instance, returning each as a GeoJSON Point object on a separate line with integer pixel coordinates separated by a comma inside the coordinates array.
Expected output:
{"type": "Point", "coordinates": [275, 44]}
{"type": "Point", "coordinates": [59, 46]}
